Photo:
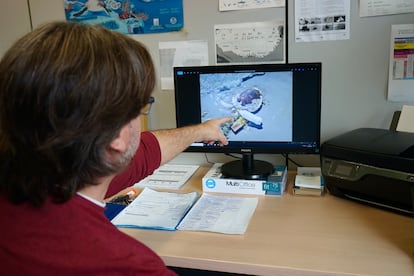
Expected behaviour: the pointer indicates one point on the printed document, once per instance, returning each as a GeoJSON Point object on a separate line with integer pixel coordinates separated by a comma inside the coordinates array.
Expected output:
{"type": "Point", "coordinates": [168, 176]}
{"type": "Point", "coordinates": [250, 42]}
{"type": "Point", "coordinates": [385, 7]}
{"type": "Point", "coordinates": [155, 210]}
{"type": "Point", "coordinates": [177, 211]}
{"type": "Point", "coordinates": [180, 53]}
{"type": "Point", "coordinates": [322, 20]}
{"type": "Point", "coordinates": [230, 5]}
{"type": "Point", "coordinates": [401, 65]}
{"type": "Point", "coordinates": [222, 214]}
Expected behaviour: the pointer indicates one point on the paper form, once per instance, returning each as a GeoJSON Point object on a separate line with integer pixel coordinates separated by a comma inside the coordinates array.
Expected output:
{"type": "Point", "coordinates": [251, 42]}
{"type": "Point", "coordinates": [322, 20]}
{"type": "Point", "coordinates": [168, 176]}
{"type": "Point", "coordinates": [180, 53]}
{"type": "Point", "coordinates": [155, 210]}
{"type": "Point", "coordinates": [222, 214]}
{"type": "Point", "coordinates": [401, 65]}
{"type": "Point", "coordinates": [385, 7]}
{"type": "Point", "coordinates": [230, 5]}
{"type": "Point", "coordinates": [405, 122]}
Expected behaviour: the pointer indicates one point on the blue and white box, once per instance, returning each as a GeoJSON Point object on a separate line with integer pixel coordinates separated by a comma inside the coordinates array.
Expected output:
{"type": "Point", "coordinates": [275, 185]}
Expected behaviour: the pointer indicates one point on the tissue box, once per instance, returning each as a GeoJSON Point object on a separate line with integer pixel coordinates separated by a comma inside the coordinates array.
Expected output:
{"type": "Point", "coordinates": [274, 185]}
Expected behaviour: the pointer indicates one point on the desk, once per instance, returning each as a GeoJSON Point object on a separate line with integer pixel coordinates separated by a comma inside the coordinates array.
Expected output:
{"type": "Point", "coordinates": [294, 235]}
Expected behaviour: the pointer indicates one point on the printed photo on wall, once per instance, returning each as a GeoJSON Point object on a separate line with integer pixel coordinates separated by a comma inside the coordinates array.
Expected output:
{"type": "Point", "coordinates": [253, 42]}
{"type": "Point", "coordinates": [128, 16]}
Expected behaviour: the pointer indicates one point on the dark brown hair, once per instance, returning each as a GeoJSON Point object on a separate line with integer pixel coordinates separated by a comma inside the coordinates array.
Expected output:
{"type": "Point", "coordinates": [66, 90]}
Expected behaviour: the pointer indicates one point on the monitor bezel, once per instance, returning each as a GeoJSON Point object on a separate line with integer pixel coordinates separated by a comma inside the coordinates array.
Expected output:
{"type": "Point", "coordinates": [260, 147]}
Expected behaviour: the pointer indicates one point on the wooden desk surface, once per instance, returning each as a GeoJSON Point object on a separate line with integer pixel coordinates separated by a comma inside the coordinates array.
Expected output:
{"type": "Point", "coordinates": [295, 235]}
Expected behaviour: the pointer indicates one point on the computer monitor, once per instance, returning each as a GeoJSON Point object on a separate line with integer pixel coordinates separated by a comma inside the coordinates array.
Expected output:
{"type": "Point", "coordinates": [275, 109]}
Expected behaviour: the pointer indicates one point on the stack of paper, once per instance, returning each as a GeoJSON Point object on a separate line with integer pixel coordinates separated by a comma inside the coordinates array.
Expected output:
{"type": "Point", "coordinates": [308, 181]}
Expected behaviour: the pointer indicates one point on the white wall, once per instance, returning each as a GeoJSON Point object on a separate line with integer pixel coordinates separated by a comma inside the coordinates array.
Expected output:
{"type": "Point", "coordinates": [355, 71]}
{"type": "Point", "coordinates": [14, 22]}
{"type": "Point", "coordinates": [46, 10]}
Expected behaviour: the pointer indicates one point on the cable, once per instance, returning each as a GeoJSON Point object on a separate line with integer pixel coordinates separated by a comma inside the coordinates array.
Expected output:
{"type": "Point", "coordinates": [291, 160]}
{"type": "Point", "coordinates": [234, 156]}
{"type": "Point", "coordinates": [208, 161]}
{"type": "Point", "coordinates": [30, 15]}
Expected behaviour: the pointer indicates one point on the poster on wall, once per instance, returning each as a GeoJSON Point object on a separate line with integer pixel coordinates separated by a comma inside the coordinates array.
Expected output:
{"type": "Point", "coordinates": [401, 67]}
{"type": "Point", "coordinates": [322, 20]}
{"type": "Point", "coordinates": [180, 53]}
{"type": "Point", "coordinates": [232, 5]}
{"type": "Point", "coordinates": [385, 7]}
{"type": "Point", "coordinates": [128, 16]}
{"type": "Point", "coordinates": [253, 42]}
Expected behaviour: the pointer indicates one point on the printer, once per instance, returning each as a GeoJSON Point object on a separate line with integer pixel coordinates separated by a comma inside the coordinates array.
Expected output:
{"type": "Point", "coordinates": [371, 166]}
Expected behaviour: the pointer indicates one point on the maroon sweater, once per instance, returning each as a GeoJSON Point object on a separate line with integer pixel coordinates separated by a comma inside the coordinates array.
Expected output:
{"type": "Point", "coordinates": [75, 238]}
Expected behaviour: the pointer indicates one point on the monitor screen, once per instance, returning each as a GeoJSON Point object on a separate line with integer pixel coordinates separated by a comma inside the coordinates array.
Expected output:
{"type": "Point", "coordinates": [275, 108]}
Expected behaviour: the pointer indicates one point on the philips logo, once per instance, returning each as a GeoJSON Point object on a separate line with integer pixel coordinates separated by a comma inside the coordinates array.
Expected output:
{"type": "Point", "coordinates": [245, 150]}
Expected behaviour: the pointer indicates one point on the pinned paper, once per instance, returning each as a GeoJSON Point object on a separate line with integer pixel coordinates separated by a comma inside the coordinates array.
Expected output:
{"type": "Point", "coordinates": [406, 120]}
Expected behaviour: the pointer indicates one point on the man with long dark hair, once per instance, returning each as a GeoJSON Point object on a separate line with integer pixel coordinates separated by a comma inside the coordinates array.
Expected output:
{"type": "Point", "coordinates": [71, 96]}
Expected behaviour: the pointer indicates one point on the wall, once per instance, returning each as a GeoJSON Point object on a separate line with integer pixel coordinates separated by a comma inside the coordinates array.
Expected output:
{"type": "Point", "coordinates": [14, 22]}
{"type": "Point", "coordinates": [355, 71]}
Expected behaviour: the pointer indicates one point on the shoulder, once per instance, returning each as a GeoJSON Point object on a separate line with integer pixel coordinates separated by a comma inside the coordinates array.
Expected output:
{"type": "Point", "coordinates": [147, 137]}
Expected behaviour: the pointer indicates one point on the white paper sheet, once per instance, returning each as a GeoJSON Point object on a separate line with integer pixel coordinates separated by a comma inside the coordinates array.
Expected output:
{"type": "Point", "coordinates": [155, 210]}
{"type": "Point", "coordinates": [168, 176]}
{"type": "Point", "coordinates": [322, 20]}
{"type": "Point", "coordinates": [229, 5]}
{"type": "Point", "coordinates": [251, 42]}
{"type": "Point", "coordinates": [401, 66]}
{"type": "Point", "coordinates": [384, 7]}
{"type": "Point", "coordinates": [222, 214]}
{"type": "Point", "coordinates": [406, 120]}
{"type": "Point", "coordinates": [180, 53]}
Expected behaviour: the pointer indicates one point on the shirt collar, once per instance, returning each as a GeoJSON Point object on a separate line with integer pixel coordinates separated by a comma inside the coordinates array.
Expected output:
{"type": "Point", "coordinates": [97, 202]}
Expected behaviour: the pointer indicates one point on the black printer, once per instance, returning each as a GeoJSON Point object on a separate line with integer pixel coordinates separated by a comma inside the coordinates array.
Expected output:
{"type": "Point", "coordinates": [372, 166]}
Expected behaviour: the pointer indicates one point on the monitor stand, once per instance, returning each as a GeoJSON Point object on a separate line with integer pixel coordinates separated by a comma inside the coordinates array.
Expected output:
{"type": "Point", "coordinates": [247, 168]}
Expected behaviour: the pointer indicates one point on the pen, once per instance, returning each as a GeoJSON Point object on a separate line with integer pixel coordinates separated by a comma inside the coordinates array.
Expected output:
{"type": "Point", "coordinates": [124, 199]}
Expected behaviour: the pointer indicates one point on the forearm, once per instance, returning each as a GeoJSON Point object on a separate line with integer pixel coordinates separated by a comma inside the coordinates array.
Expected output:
{"type": "Point", "coordinates": [174, 141]}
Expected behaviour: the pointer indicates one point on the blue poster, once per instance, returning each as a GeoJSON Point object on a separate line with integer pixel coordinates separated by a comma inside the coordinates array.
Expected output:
{"type": "Point", "coordinates": [128, 16]}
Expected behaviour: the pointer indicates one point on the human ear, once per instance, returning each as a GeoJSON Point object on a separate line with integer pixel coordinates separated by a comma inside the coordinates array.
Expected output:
{"type": "Point", "coordinates": [120, 143]}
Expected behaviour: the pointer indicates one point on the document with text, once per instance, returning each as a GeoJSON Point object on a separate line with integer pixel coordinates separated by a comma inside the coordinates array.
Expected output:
{"type": "Point", "coordinates": [155, 210]}
{"type": "Point", "coordinates": [168, 176]}
{"type": "Point", "coordinates": [222, 214]}
{"type": "Point", "coordinates": [177, 211]}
